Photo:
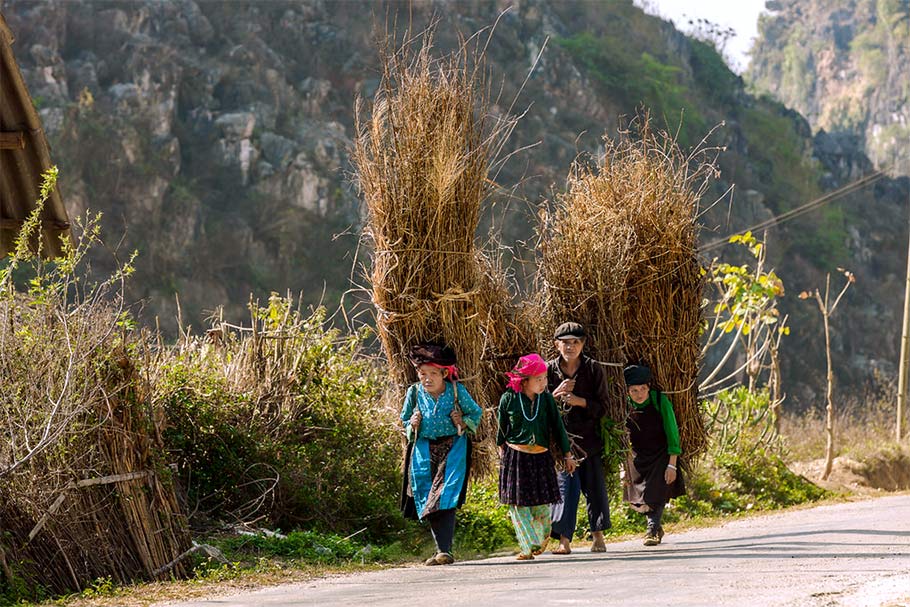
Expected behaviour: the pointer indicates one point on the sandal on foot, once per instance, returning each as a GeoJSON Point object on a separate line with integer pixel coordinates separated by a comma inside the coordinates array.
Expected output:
{"type": "Point", "coordinates": [431, 561]}
{"type": "Point", "coordinates": [440, 558]}
{"type": "Point", "coordinates": [538, 550]}
{"type": "Point", "coordinates": [524, 557]}
{"type": "Point", "coordinates": [561, 550]}
{"type": "Point", "coordinates": [444, 558]}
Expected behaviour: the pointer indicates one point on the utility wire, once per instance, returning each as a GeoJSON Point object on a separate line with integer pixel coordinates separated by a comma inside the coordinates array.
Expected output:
{"type": "Point", "coordinates": [805, 208]}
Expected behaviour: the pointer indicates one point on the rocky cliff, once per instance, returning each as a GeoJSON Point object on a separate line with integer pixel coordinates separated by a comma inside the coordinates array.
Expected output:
{"type": "Point", "coordinates": [844, 65]}
{"type": "Point", "coordinates": [215, 137]}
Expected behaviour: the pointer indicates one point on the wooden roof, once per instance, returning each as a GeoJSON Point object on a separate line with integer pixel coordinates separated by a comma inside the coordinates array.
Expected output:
{"type": "Point", "coordinates": [24, 156]}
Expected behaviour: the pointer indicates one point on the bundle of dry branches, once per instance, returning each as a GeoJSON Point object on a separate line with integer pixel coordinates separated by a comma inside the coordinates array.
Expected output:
{"type": "Point", "coordinates": [619, 255]}
{"type": "Point", "coordinates": [423, 157]}
{"type": "Point", "coordinates": [85, 491]}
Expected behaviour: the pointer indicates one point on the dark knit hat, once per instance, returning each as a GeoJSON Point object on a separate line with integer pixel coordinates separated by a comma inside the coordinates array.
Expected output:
{"type": "Point", "coordinates": [432, 353]}
{"type": "Point", "coordinates": [635, 375]}
{"type": "Point", "coordinates": [569, 330]}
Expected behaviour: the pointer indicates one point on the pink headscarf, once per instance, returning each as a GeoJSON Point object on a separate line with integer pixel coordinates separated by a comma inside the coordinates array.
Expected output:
{"type": "Point", "coordinates": [527, 366]}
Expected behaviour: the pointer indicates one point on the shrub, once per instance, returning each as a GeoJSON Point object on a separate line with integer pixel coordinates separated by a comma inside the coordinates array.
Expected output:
{"type": "Point", "coordinates": [483, 523]}
{"type": "Point", "coordinates": [282, 422]}
{"type": "Point", "coordinates": [745, 467]}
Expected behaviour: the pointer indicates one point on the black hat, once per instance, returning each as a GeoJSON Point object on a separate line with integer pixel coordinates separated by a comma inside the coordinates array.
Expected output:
{"type": "Point", "coordinates": [635, 375]}
{"type": "Point", "coordinates": [569, 330]}
{"type": "Point", "coordinates": [437, 354]}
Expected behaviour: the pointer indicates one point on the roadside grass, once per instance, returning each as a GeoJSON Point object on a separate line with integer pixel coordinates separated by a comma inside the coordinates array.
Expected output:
{"type": "Point", "coordinates": [861, 428]}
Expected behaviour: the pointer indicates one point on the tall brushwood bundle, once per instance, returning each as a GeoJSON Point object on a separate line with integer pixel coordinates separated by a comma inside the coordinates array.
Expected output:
{"type": "Point", "coordinates": [423, 158]}
{"type": "Point", "coordinates": [619, 254]}
{"type": "Point", "coordinates": [85, 492]}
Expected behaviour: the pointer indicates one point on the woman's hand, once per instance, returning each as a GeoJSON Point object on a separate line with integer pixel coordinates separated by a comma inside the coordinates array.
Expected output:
{"type": "Point", "coordinates": [415, 420]}
{"type": "Point", "coordinates": [571, 464]}
{"type": "Point", "coordinates": [457, 421]}
{"type": "Point", "coordinates": [564, 389]}
{"type": "Point", "coordinates": [670, 475]}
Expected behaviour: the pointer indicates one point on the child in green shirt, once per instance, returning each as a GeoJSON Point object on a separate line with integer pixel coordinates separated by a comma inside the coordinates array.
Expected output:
{"type": "Point", "coordinates": [528, 420]}
{"type": "Point", "coordinates": [652, 477]}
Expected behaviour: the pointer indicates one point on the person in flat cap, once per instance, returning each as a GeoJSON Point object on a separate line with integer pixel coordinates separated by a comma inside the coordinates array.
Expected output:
{"type": "Point", "coordinates": [438, 414]}
{"type": "Point", "coordinates": [651, 477]}
{"type": "Point", "coordinates": [579, 386]}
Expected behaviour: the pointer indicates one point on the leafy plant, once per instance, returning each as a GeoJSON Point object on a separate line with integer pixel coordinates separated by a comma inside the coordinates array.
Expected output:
{"type": "Point", "coordinates": [483, 523]}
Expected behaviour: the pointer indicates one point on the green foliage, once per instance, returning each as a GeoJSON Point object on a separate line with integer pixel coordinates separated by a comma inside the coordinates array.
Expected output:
{"type": "Point", "coordinates": [740, 420]}
{"type": "Point", "coordinates": [871, 57]}
{"type": "Point", "coordinates": [306, 546]}
{"type": "Point", "coordinates": [712, 76]}
{"type": "Point", "coordinates": [207, 438]}
{"type": "Point", "coordinates": [483, 524]}
{"type": "Point", "coordinates": [779, 156]}
{"type": "Point", "coordinates": [748, 295]}
{"type": "Point", "coordinates": [745, 468]}
{"type": "Point", "coordinates": [309, 447]}
{"type": "Point", "coordinates": [763, 476]}
{"type": "Point", "coordinates": [616, 449]}
{"type": "Point", "coordinates": [635, 78]}
{"type": "Point", "coordinates": [797, 73]}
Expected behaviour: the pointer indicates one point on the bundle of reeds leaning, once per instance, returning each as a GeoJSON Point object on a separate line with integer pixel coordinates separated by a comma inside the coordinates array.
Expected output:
{"type": "Point", "coordinates": [619, 255]}
{"type": "Point", "coordinates": [422, 158]}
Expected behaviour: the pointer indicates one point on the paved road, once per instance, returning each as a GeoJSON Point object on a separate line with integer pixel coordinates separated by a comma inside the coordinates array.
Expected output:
{"type": "Point", "coordinates": [855, 554]}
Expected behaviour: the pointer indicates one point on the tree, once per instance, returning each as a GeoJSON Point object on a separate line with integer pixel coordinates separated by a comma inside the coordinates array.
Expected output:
{"type": "Point", "coordinates": [746, 316]}
{"type": "Point", "coordinates": [827, 311]}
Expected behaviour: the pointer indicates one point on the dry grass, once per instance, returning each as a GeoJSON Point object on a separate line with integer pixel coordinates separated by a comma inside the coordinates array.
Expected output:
{"type": "Point", "coordinates": [619, 256]}
{"type": "Point", "coordinates": [423, 159]}
{"type": "Point", "coordinates": [860, 430]}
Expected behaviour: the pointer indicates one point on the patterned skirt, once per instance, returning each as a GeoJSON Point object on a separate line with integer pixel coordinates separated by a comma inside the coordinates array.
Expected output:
{"type": "Point", "coordinates": [527, 479]}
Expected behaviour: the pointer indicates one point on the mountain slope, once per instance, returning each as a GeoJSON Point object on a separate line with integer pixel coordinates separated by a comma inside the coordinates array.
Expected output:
{"type": "Point", "coordinates": [215, 137]}
{"type": "Point", "coordinates": [844, 65]}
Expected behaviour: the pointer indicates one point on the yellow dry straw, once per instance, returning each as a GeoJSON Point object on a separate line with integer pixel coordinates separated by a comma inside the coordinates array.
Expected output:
{"type": "Point", "coordinates": [619, 255]}
{"type": "Point", "coordinates": [422, 159]}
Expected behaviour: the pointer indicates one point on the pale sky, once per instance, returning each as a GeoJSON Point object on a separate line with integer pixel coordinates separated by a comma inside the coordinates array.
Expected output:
{"type": "Point", "coordinates": [741, 15]}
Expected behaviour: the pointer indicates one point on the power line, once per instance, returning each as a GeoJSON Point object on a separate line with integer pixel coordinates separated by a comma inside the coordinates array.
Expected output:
{"type": "Point", "coordinates": [807, 207]}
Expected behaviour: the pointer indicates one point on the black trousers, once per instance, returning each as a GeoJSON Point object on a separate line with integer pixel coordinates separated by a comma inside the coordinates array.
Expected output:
{"type": "Point", "coordinates": [654, 515]}
{"type": "Point", "coordinates": [442, 524]}
{"type": "Point", "coordinates": [588, 478]}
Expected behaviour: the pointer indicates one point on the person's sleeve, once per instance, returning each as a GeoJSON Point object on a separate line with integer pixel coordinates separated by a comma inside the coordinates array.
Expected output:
{"type": "Point", "coordinates": [597, 403]}
{"type": "Point", "coordinates": [502, 419]}
{"type": "Point", "coordinates": [557, 428]}
{"type": "Point", "coordinates": [670, 426]}
{"type": "Point", "coordinates": [471, 411]}
{"type": "Point", "coordinates": [407, 410]}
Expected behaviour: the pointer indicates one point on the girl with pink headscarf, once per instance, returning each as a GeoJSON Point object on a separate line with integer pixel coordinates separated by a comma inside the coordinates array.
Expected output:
{"type": "Point", "coordinates": [528, 421]}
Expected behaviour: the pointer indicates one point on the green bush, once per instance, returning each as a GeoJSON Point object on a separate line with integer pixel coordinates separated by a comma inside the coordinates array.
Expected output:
{"type": "Point", "coordinates": [745, 468]}
{"type": "Point", "coordinates": [289, 431]}
{"type": "Point", "coordinates": [483, 523]}
{"type": "Point", "coordinates": [307, 546]}
{"type": "Point", "coordinates": [765, 478]}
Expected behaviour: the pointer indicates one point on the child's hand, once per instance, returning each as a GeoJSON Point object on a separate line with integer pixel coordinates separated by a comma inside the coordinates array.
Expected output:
{"type": "Point", "coordinates": [669, 475]}
{"type": "Point", "coordinates": [571, 464]}
{"type": "Point", "coordinates": [415, 420]}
